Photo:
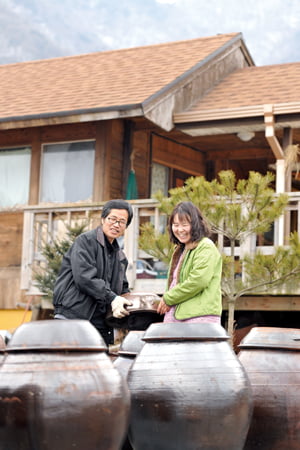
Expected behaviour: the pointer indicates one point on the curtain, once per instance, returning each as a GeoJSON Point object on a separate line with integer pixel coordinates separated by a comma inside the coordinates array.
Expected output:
{"type": "Point", "coordinates": [14, 176]}
{"type": "Point", "coordinates": [67, 172]}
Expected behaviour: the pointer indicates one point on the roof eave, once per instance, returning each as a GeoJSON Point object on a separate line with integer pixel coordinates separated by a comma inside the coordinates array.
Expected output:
{"type": "Point", "coordinates": [233, 113]}
{"type": "Point", "coordinates": [73, 116]}
{"type": "Point", "coordinates": [250, 118]}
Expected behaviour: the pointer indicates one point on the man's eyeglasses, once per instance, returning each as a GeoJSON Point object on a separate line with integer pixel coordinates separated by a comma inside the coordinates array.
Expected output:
{"type": "Point", "coordinates": [114, 220]}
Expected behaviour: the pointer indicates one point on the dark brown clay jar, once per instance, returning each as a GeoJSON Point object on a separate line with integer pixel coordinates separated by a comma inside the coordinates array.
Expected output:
{"type": "Point", "coordinates": [271, 357]}
{"type": "Point", "coordinates": [129, 349]}
{"type": "Point", "coordinates": [59, 390]}
{"type": "Point", "coordinates": [188, 390]}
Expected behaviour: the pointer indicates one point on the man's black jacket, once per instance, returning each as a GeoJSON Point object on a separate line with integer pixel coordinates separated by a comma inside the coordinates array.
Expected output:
{"type": "Point", "coordinates": [83, 282]}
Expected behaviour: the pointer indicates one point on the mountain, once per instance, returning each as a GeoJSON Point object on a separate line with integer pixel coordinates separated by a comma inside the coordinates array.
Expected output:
{"type": "Point", "coordinates": [39, 29]}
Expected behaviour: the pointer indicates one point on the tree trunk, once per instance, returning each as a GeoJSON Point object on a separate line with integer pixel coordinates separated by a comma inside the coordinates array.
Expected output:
{"type": "Point", "coordinates": [230, 327]}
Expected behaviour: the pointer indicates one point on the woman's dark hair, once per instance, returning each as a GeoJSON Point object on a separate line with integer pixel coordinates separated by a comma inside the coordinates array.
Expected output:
{"type": "Point", "coordinates": [117, 204]}
{"type": "Point", "coordinates": [190, 212]}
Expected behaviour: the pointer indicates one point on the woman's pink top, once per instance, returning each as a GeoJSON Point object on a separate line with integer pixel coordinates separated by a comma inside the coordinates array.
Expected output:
{"type": "Point", "coordinates": [170, 315]}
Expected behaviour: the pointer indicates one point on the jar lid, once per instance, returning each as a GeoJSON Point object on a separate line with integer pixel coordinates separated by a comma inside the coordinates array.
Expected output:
{"type": "Point", "coordinates": [272, 337]}
{"type": "Point", "coordinates": [132, 343]}
{"type": "Point", "coordinates": [185, 332]}
{"type": "Point", "coordinates": [55, 335]}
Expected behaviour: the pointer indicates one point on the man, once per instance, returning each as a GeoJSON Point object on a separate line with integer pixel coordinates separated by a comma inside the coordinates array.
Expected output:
{"type": "Point", "coordinates": [92, 276]}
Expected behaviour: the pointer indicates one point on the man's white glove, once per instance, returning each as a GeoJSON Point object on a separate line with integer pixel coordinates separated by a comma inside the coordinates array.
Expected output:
{"type": "Point", "coordinates": [118, 307]}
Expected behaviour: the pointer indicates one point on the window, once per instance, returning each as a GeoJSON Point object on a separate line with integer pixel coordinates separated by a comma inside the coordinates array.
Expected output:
{"type": "Point", "coordinates": [14, 176]}
{"type": "Point", "coordinates": [159, 179]}
{"type": "Point", "coordinates": [67, 172]}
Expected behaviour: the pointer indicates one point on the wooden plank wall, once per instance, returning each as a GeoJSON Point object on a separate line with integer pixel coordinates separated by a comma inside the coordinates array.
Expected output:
{"type": "Point", "coordinates": [11, 227]}
{"type": "Point", "coordinates": [117, 188]}
{"type": "Point", "coordinates": [141, 148]}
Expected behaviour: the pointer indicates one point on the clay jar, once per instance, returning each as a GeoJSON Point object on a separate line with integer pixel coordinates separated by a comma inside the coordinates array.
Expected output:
{"type": "Point", "coordinates": [59, 390]}
{"type": "Point", "coordinates": [188, 390]}
{"type": "Point", "coordinates": [271, 357]}
{"type": "Point", "coordinates": [129, 349]}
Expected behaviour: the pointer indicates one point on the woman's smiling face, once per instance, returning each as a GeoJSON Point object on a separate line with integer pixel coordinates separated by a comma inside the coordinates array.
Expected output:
{"type": "Point", "coordinates": [182, 229]}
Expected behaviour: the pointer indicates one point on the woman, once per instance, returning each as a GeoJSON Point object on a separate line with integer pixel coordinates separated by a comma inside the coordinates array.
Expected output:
{"type": "Point", "coordinates": [194, 278]}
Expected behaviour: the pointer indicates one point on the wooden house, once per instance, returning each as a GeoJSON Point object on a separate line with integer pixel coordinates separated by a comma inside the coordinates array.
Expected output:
{"type": "Point", "coordinates": [72, 128]}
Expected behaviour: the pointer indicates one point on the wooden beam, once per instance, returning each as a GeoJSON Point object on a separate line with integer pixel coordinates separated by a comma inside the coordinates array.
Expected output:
{"type": "Point", "coordinates": [266, 303]}
{"type": "Point", "coordinates": [127, 149]}
{"type": "Point", "coordinates": [286, 141]}
{"type": "Point", "coordinates": [270, 132]}
{"type": "Point", "coordinates": [240, 153]}
{"type": "Point", "coordinates": [101, 190]}
{"type": "Point", "coordinates": [35, 167]}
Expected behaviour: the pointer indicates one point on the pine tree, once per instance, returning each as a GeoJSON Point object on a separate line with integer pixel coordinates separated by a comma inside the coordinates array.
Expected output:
{"type": "Point", "coordinates": [53, 252]}
{"type": "Point", "coordinates": [235, 209]}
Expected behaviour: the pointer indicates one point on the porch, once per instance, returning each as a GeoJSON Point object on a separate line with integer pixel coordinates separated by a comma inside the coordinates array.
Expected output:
{"type": "Point", "coordinates": [46, 223]}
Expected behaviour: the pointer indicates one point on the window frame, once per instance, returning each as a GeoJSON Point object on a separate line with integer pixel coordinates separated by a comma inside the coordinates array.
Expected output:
{"type": "Point", "coordinates": [63, 142]}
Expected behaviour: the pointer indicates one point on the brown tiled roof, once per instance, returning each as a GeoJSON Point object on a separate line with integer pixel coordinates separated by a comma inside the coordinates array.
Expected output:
{"type": "Point", "coordinates": [253, 86]}
{"type": "Point", "coordinates": [99, 80]}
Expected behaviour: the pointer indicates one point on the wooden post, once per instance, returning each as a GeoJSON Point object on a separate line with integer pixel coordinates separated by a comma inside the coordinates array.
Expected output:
{"type": "Point", "coordinates": [287, 140]}
{"type": "Point", "coordinates": [102, 169]}
{"type": "Point", "coordinates": [280, 168]}
{"type": "Point", "coordinates": [36, 150]}
{"type": "Point", "coordinates": [131, 246]}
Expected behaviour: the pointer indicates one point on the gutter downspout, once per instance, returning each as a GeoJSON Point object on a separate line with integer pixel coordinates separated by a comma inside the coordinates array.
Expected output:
{"type": "Point", "coordinates": [280, 167]}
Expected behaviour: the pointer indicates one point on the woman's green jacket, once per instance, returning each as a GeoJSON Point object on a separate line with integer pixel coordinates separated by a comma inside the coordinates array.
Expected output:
{"type": "Point", "coordinates": [198, 289]}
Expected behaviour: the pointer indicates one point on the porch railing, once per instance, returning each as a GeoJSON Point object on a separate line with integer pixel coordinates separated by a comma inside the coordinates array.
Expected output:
{"type": "Point", "coordinates": [46, 223]}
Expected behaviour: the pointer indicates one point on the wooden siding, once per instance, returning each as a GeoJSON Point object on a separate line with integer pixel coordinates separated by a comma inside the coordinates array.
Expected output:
{"type": "Point", "coordinates": [11, 296]}
{"type": "Point", "coordinates": [11, 227]}
{"type": "Point", "coordinates": [141, 148]}
{"type": "Point", "coordinates": [116, 160]}
{"type": "Point", "coordinates": [102, 169]}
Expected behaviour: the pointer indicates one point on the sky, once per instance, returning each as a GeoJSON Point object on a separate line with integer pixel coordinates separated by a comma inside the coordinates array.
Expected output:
{"type": "Point", "coordinates": [40, 29]}
{"type": "Point", "coordinates": [271, 28]}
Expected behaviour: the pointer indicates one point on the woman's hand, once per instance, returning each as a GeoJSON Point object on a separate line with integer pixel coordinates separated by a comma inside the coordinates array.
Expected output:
{"type": "Point", "coordinates": [163, 307]}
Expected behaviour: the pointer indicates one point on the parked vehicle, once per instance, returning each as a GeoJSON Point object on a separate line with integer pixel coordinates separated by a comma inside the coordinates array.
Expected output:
{"type": "Point", "coordinates": [145, 270]}
{"type": "Point", "coordinates": [6, 335]}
